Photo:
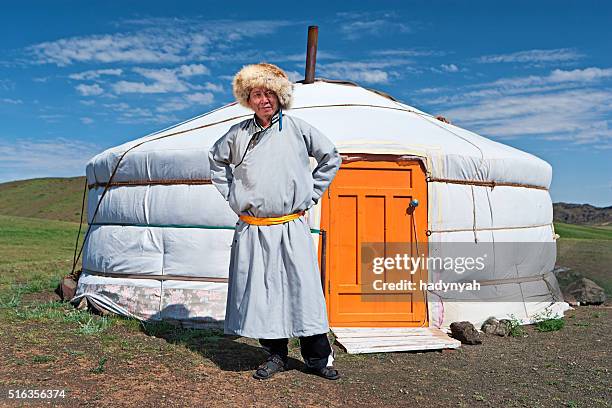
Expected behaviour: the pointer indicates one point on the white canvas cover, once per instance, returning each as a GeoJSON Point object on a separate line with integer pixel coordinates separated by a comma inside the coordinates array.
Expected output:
{"type": "Point", "coordinates": [168, 227]}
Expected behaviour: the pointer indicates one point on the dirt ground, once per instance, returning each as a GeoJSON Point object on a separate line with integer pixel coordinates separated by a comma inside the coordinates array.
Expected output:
{"type": "Point", "coordinates": [128, 366]}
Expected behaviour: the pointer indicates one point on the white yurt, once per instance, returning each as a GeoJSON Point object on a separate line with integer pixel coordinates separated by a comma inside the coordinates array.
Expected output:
{"type": "Point", "coordinates": [159, 238]}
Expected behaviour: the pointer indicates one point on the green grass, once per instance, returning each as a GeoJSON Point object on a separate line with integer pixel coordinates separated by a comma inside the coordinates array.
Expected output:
{"type": "Point", "coordinates": [583, 231]}
{"type": "Point", "coordinates": [83, 322]}
{"type": "Point", "coordinates": [49, 198]}
{"type": "Point", "coordinates": [100, 368]}
{"type": "Point", "coordinates": [586, 250]}
{"type": "Point", "coordinates": [516, 327]}
{"type": "Point", "coordinates": [34, 253]}
{"type": "Point", "coordinates": [547, 321]}
{"type": "Point", "coordinates": [550, 325]}
{"type": "Point", "coordinates": [43, 359]}
{"type": "Point", "coordinates": [94, 325]}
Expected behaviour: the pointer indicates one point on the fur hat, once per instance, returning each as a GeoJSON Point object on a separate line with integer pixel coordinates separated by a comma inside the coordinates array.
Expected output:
{"type": "Point", "coordinates": [262, 75]}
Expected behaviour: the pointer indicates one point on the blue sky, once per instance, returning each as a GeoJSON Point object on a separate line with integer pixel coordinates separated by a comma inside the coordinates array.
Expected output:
{"type": "Point", "coordinates": [79, 77]}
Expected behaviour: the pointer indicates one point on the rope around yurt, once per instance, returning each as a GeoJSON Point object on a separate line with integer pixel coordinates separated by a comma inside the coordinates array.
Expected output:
{"type": "Point", "coordinates": [73, 275]}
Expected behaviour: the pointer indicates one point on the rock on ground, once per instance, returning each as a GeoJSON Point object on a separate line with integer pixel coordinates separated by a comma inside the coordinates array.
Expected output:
{"type": "Point", "coordinates": [498, 327]}
{"type": "Point", "coordinates": [586, 292]}
{"type": "Point", "coordinates": [465, 332]}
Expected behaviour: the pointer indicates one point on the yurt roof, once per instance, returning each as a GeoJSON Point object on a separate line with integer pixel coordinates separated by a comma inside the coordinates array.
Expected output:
{"type": "Point", "coordinates": [356, 119]}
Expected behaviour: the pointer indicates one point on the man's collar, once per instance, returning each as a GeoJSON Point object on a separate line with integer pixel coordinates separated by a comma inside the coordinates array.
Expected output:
{"type": "Point", "coordinates": [274, 119]}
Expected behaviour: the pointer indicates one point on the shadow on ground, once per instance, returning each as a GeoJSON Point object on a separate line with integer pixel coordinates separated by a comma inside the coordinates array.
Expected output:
{"type": "Point", "coordinates": [228, 352]}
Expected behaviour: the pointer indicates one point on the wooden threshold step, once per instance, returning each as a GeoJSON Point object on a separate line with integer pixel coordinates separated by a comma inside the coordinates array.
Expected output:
{"type": "Point", "coordinates": [357, 340]}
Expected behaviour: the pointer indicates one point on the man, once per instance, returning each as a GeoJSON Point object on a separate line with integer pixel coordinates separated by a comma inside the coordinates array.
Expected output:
{"type": "Point", "coordinates": [261, 167]}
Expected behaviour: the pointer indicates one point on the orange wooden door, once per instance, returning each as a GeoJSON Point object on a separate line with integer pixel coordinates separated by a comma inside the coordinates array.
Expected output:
{"type": "Point", "coordinates": [368, 202]}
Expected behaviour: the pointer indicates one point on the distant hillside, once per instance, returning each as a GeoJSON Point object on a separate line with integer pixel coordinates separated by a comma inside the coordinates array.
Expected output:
{"type": "Point", "coordinates": [584, 214]}
{"type": "Point", "coordinates": [50, 198]}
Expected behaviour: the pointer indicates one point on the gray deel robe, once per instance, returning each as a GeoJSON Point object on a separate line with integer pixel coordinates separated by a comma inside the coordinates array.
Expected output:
{"type": "Point", "coordinates": [274, 288]}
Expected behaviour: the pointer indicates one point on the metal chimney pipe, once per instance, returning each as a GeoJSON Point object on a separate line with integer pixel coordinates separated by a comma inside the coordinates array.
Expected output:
{"type": "Point", "coordinates": [311, 54]}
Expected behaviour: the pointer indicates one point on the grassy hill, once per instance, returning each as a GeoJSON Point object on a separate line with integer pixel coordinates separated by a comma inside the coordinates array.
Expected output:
{"type": "Point", "coordinates": [49, 198]}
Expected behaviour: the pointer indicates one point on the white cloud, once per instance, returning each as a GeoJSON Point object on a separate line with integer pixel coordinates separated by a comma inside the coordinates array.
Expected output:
{"type": "Point", "coordinates": [87, 121]}
{"type": "Point", "coordinates": [122, 87]}
{"type": "Point", "coordinates": [371, 76]}
{"type": "Point", "coordinates": [89, 90]}
{"type": "Point", "coordinates": [409, 53]}
{"type": "Point", "coordinates": [156, 41]}
{"type": "Point", "coordinates": [173, 105]}
{"type": "Point", "coordinates": [11, 101]}
{"type": "Point", "coordinates": [569, 116]}
{"type": "Point", "coordinates": [367, 71]}
{"type": "Point", "coordinates": [301, 57]}
{"type": "Point", "coordinates": [165, 80]}
{"type": "Point", "coordinates": [136, 115]}
{"type": "Point", "coordinates": [95, 74]}
{"type": "Point", "coordinates": [6, 84]}
{"type": "Point", "coordinates": [449, 67]}
{"type": "Point", "coordinates": [562, 106]}
{"type": "Point", "coordinates": [119, 107]}
{"type": "Point", "coordinates": [28, 158]}
{"type": "Point", "coordinates": [208, 86]}
{"type": "Point", "coordinates": [201, 98]}
{"type": "Point", "coordinates": [158, 75]}
{"type": "Point", "coordinates": [566, 103]}
{"type": "Point", "coordinates": [294, 75]}
{"type": "Point", "coordinates": [533, 56]}
{"type": "Point", "coordinates": [51, 117]}
{"type": "Point", "coordinates": [557, 80]}
{"type": "Point", "coordinates": [162, 86]}
{"type": "Point", "coordinates": [191, 70]}
{"type": "Point", "coordinates": [357, 29]}
{"type": "Point", "coordinates": [136, 48]}
{"type": "Point", "coordinates": [164, 74]}
{"type": "Point", "coordinates": [188, 101]}
{"type": "Point", "coordinates": [556, 76]}
{"type": "Point", "coordinates": [579, 75]}
{"type": "Point", "coordinates": [432, 90]}
{"type": "Point", "coordinates": [355, 73]}
{"type": "Point", "coordinates": [355, 25]}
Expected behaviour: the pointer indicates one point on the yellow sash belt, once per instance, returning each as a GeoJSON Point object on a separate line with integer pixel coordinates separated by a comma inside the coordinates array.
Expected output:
{"type": "Point", "coordinates": [270, 220]}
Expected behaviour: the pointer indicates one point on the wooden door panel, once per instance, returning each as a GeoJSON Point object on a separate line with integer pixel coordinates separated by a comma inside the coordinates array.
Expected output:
{"type": "Point", "coordinates": [346, 238]}
{"type": "Point", "coordinates": [368, 202]}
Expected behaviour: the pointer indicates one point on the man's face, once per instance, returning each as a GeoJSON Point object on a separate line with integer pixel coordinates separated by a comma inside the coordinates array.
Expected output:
{"type": "Point", "coordinates": [263, 101]}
